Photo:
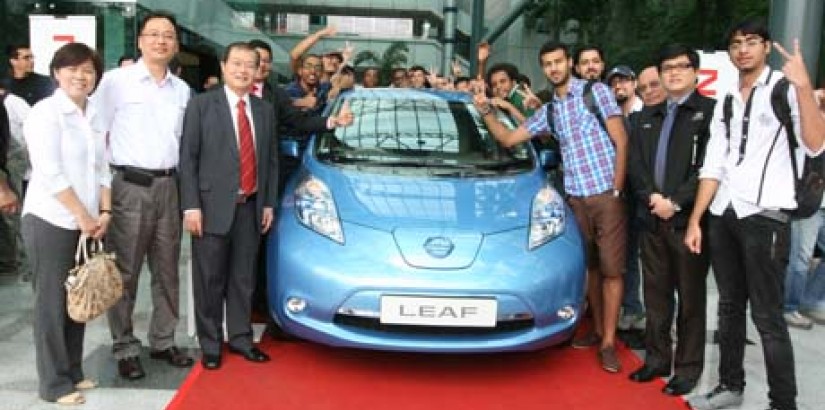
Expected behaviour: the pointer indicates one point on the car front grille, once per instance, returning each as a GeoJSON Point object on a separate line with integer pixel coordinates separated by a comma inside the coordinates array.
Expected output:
{"type": "Point", "coordinates": [370, 323]}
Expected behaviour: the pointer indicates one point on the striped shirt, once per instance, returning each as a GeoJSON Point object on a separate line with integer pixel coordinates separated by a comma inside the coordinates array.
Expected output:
{"type": "Point", "coordinates": [587, 151]}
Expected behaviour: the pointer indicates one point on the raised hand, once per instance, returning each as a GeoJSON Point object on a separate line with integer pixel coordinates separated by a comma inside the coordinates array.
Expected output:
{"type": "Point", "coordinates": [328, 31]}
{"type": "Point", "coordinates": [347, 53]}
{"type": "Point", "coordinates": [794, 66]}
{"type": "Point", "coordinates": [530, 100]}
{"type": "Point", "coordinates": [483, 51]}
{"type": "Point", "coordinates": [345, 116]}
{"type": "Point", "coordinates": [456, 68]}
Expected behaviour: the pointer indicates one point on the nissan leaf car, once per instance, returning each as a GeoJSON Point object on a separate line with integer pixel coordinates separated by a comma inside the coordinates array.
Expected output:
{"type": "Point", "coordinates": [413, 230]}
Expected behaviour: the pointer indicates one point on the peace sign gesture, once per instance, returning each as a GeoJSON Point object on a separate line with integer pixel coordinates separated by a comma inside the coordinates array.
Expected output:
{"type": "Point", "coordinates": [794, 67]}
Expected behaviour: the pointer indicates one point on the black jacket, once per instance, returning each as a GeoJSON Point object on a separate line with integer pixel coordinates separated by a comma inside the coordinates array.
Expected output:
{"type": "Point", "coordinates": [686, 152]}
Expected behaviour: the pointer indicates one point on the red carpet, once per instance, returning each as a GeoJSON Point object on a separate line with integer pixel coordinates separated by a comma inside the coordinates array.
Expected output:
{"type": "Point", "coordinates": [306, 376]}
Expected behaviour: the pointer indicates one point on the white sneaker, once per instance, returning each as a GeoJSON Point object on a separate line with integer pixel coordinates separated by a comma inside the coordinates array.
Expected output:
{"type": "Point", "coordinates": [795, 319]}
{"type": "Point", "coordinates": [632, 321]}
{"type": "Point", "coordinates": [818, 316]}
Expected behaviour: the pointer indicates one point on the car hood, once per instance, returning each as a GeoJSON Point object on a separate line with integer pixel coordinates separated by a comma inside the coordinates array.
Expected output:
{"type": "Point", "coordinates": [436, 222]}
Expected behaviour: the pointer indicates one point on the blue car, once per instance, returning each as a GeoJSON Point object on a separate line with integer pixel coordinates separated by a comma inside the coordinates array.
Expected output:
{"type": "Point", "coordinates": [414, 230]}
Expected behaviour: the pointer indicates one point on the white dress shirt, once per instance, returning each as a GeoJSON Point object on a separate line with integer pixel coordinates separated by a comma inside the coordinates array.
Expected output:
{"type": "Point", "coordinates": [144, 118]}
{"type": "Point", "coordinates": [18, 110]}
{"type": "Point", "coordinates": [764, 179]}
{"type": "Point", "coordinates": [67, 150]}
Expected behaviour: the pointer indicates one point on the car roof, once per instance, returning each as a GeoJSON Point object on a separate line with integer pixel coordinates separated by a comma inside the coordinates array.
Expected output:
{"type": "Point", "coordinates": [408, 94]}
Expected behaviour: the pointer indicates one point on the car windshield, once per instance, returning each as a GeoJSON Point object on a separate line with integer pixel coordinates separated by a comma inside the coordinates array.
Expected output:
{"type": "Point", "coordinates": [430, 135]}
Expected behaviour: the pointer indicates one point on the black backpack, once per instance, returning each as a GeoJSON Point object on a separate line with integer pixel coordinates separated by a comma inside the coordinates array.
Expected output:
{"type": "Point", "coordinates": [589, 102]}
{"type": "Point", "coordinates": [810, 186]}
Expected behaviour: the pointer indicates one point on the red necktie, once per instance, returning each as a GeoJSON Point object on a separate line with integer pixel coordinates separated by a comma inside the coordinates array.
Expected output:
{"type": "Point", "coordinates": [247, 148]}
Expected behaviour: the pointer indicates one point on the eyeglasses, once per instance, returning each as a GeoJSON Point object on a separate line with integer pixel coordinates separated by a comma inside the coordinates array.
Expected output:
{"type": "Point", "coordinates": [315, 67]}
{"type": "Point", "coordinates": [668, 68]}
{"type": "Point", "coordinates": [653, 85]}
{"type": "Point", "coordinates": [748, 43]}
{"type": "Point", "coordinates": [156, 36]}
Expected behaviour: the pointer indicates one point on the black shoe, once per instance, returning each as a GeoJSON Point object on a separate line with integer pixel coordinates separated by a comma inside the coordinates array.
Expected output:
{"type": "Point", "coordinates": [253, 354]}
{"type": "Point", "coordinates": [645, 374]}
{"type": "Point", "coordinates": [678, 386]}
{"type": "Point", "coordinates": [173, 356]}
{"type": "Point", "coordinates": [211, 361]}
{"type": "Point", "coordinates": [130, 368]}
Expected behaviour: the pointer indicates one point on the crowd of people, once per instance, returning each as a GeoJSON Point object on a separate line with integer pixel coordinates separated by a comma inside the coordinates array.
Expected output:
{"type": "Point", "coordinates": [653, 171]}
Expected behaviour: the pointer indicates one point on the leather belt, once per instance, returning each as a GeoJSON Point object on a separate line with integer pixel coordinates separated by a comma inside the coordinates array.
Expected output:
{"type": "Point", "coordinates": [242, 199]}
{"type": "Point", "coordinates": [157, 173]}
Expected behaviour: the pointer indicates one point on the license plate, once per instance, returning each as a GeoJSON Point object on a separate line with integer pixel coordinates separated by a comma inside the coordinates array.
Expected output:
{"type": "Point", "coordinates": [436, 311]}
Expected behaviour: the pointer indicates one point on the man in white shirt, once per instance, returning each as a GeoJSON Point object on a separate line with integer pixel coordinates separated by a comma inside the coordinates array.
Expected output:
{"type": "Point", "coordinates": [142, 107]}
{"type": "Point", "coordinates": [746, 182]}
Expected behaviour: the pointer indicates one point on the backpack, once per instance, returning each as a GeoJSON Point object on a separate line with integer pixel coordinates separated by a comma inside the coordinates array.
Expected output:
{"type": "Point", "coordinates": [589, 102]}
{"type": "Point", "coordinates": [810, 186]}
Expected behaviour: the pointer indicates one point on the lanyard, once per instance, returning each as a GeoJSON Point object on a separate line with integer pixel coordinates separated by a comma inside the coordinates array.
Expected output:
{"type": "Point", "coordinates": [746, 120]}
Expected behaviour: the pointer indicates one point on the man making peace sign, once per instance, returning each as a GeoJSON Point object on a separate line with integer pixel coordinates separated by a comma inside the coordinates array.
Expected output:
{"type": "Point", "coordinates": [746, 182]}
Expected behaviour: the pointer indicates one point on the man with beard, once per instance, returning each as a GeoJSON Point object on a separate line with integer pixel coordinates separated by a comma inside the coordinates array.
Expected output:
{"type": "Point", "coordinates": [746, 182]}
{"type": "Point", "coordinates": [594, 177]}
{"type": "Point", "coordinates": [622, 80]}
{"type": "Point", "coordinates": [502, 78]}
{"type": "Point", "coordinates": [589, 63]}
{"type": "Point", "coordinates": [308, 93]}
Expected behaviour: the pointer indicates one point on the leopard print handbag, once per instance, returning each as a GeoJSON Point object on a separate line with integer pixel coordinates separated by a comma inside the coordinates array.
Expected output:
{"type": "Point", "coordinates": [94, 284]}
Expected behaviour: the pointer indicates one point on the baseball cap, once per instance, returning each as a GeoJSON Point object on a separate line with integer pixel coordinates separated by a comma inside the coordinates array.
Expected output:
{"type": "Point", "coordinates": [621, 70]}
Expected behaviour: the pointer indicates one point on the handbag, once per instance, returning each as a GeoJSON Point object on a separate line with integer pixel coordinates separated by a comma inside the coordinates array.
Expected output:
{"type": "Point", "coordinates": [94, 284]}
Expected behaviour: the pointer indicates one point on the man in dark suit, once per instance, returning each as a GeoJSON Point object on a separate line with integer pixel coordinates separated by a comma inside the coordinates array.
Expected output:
{"type": "Point", "coordinates": [667, 146]}
{"type": "Point", "coordinates": [229, 174]}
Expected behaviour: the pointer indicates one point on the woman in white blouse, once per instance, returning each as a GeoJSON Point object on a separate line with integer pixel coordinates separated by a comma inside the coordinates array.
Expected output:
{"type": "Point", "coordinates": [68, 196]}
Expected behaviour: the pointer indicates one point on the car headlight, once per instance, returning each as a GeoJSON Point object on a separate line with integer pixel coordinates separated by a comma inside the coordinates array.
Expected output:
{"type": "Point", "coordinates": [316, 209]}
{"type": "Point", "coordinates": [546, 217]}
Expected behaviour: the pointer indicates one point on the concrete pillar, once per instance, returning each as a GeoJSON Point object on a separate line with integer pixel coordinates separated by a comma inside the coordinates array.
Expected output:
{"type": "Point", "coordinates": [800, 19]}
{"type": "Point", "coordinates": [450, 22]}
{"type": "Point", "coordinates": [477, 33]}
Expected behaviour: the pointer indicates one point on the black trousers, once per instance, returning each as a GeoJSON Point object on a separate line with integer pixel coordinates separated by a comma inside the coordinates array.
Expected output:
{"type": "Point", "coordinates": [749, 257]}
{"type": "Point", "coordinates": [671, 269]}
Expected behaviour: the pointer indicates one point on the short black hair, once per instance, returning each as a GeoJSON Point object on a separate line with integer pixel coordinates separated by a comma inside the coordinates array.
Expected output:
{"type": "Point", "coordinates": [672, 51]}
{"type": "Point", "coordinates": [461, 79]}
{"type": "Point", "coordinates": [240, 45]}
{"type": "Point", "coordinates": [754, 26]}
{"type": "Point", "coordinates": [552, 46]}
{"type": "Point", "coordinates": [418, 68]}
{"type": "Point", "coordinates": [75, 54]}
{"type": "Point", "coordinates": [12, 49]}
{"type": "Point", "coordinates": [306, 56]}
{"type": "Point", "coordinates": [588, 47]}
{"type": "Point", "coordinates": [507, 68]}
{"type": "Point", "coordinates": [258, 43]}
{"type": "Point", "coordinates": [159, 14]}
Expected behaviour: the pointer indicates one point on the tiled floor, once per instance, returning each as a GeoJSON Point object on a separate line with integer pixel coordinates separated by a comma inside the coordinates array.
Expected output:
{"type": "Point", "coordinates": [18, 379]}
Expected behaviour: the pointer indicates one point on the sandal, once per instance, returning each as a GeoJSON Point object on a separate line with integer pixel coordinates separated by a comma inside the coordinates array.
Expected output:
{"type": "Point", "coordinates": [85, 384]}
{"type": "Point", "coordinates": [72, 399]}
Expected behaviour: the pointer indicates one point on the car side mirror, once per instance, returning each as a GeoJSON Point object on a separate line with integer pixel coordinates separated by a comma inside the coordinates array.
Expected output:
{"type": "Point", "coordinates": [290, 148]}
{"type": "Point", "coordinates": [549, 159]}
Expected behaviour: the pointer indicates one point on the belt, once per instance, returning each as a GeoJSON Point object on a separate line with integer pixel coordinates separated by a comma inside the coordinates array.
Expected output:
{"type": "Point", "coordinates": [242, 199]}
{"type": "Point", "coordinates": [157, 173]}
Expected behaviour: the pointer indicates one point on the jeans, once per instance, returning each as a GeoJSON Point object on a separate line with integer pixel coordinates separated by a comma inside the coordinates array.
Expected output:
{"type": "Point", "coordinates": [631, 301]}
{"type": "Point", "coordinates": [749, 257]}
{"type": "Point", "coordinates": [804, 289]}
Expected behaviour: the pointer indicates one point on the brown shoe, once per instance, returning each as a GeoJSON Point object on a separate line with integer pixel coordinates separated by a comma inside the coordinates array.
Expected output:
{"type": "Point", "coordinates": [590, 339]}
{"type": "Point", "coordinates": [609, 360]}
